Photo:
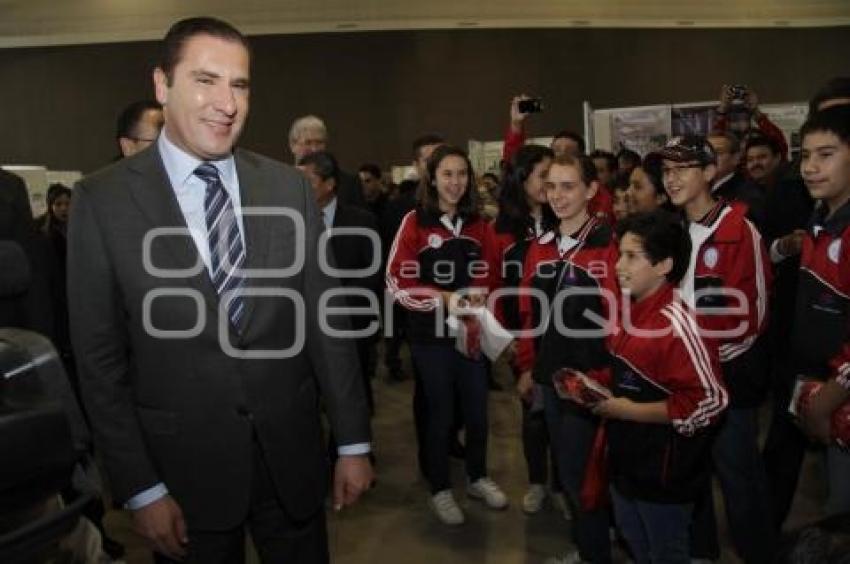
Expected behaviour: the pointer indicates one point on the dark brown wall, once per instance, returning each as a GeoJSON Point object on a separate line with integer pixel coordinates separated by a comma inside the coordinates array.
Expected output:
{"type": "Point", "coordinates": [376, 91]}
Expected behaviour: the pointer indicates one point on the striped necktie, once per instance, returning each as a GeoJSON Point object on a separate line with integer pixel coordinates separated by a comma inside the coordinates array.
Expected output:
{"type": "Point", "coordinates": [227, 253]}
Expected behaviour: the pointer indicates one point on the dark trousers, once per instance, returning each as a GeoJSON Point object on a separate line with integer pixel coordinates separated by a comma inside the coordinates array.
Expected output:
{"type": "Point", "coordinates": [572, 431]}
{"type": "Point", "coordinates": [656, 533]}
{"type": "Point", "coordinates": [740, 470]}
{"type": "Point", "coordinates": [784, 448]}
{"type": "Point", "coordinates": [276, 536]}
{"type": "Point", "coordinates": [393, 342]}
{"type": "Point", "coordinates": [536, 448]}
{"type": "Point", "coordinates": [449, 379]}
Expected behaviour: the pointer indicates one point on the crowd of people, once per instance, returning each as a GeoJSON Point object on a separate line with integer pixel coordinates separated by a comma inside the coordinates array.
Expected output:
{"type": "Point", "coordinates": [689, 287]}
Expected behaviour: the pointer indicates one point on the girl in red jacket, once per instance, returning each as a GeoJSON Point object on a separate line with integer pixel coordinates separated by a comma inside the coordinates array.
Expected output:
{"type": "Point", "coordinates": [568, 287]}
{"type": "Point", "coordinates": [522, 198]}
{"type": "Point", "coordinates": [444, 256]}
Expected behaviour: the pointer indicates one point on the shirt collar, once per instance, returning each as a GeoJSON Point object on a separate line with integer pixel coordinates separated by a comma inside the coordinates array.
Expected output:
{"type": "Point", "coordinates": [180, 165]}
{"type": "Point", "coordinates": [722, 181]}
{"type": "Point", "coordinates": [329, 212]}
{"type": "Point", "coordinates": [713, 214]}
{"type": "Point", "coordinates": [640, 310]}
{"type": "Point", "coordinates": [835, 225]}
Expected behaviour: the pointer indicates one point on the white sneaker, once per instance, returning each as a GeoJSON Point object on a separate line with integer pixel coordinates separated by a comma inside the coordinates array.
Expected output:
{"type": "Point", "coordinates": [569, 558]}
{"type": "Point", "coordinates": [487, 490]}
{"type": "Point", "coordinates": [532, 501]}
{"type": "Point", "coordinates": [560, 502]}
{"type": "Point", "coordinates": [446, 508]}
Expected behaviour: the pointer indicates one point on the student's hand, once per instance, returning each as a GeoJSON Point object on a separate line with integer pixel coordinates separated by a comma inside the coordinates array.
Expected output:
{"type": "Point", "coordinates": [162, 525]}
{"type": "Point", "coordinates": [614, 408]}
{"type": "Point", "coordinates": [517, 117]}
{"type": "Point", "coordinates": [792, 244]}
{"type": "Point", "coordinates": [817, 427]}
{"type": "Point", "coordinates": [525, 386]}
{"type": "Point", "coordinates": [352, 476]}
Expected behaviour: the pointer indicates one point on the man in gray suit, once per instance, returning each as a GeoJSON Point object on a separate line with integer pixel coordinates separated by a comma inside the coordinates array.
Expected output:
{"type": "Point", "coordinates": [195, 326]}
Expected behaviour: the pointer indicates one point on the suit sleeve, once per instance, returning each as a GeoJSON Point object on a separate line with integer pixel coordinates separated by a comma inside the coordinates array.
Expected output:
{"type": "Point", "coordinates": [100, 338]}
{"type": "Point", "coordinates": [334, 358]}
{"type": "Point", "coordinates": [402, 276]}
{"type": "Point", "coordinates": [697, 396]}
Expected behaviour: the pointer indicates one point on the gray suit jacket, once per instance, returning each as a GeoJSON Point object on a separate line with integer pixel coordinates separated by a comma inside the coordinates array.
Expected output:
{"type": "Point", "coordinates": [176, 408]}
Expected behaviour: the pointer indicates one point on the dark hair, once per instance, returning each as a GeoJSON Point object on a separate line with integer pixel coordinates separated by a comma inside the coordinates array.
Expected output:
{"type": "Point", "coordinates": [629, 156]}
{"type": "Point", "coordinates": [838, 87]}
{"type": "Point", "coordinates": [371, 169]}
{"type": "Point", "coordinates": [54, 192]}
{"type": "Point", "coordinates": [514, 212]}
{"type": "Point", "coordinates": [610, 159]}
{"type": "Point", "coordinates": [568, 134]}
{"type": "Point", "coordinates": [171, 49]}
{"type": "Point", "coordinates": [324, 165]}
{"type": "Point", "coordinates": [734, 140]}
{"type": "Point", "coordinates": [428, 198]}
{"type": "Point", "coordinates": [652, 166]}
{"type": "Point", "coordinates": [587, 171]}
{"type": "Point", "coordinates": [662, 236]}
{"type": "Point", "coordinates": [762, 141]}
{"type": "Point", "coordinates": [621, 181]}
{"type": "Point", "coordinates": [128, 119]}
{"type": "Point", "coordinates": [427, 139]}
{"type": "Point", "coordinates": [834, 120]}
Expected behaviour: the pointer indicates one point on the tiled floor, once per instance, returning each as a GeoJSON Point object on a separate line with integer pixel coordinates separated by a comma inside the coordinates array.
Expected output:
{"type": "Point", "coordinates": [394, 524]}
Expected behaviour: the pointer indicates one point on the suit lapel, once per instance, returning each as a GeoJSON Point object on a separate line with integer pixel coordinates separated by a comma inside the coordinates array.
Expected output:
{"type": "Point", "coordinates": [252, 192]}
{"type": "Point", "coordinates": [151, 190]}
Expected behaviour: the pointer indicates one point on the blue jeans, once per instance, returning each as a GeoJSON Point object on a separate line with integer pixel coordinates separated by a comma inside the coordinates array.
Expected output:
{"type": "Point", "coordinates": [447, 376]}
{"type": "Point", "coordinates": [655, 532]}
{"type": "Point", "coordinates": [740, 469]}
{"type": "Point", "coordinates": [571, 432]}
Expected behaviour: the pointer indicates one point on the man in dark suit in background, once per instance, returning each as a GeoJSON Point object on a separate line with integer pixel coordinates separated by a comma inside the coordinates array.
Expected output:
{"type": "Point", "coordinates": [138, 127]}
{"type": "Point", "coordinates": [194, 289]}
{"type": "Point", "coordinates": [28, 306]}
{"type": "Point", "coordinates": [308, 134]}
{"type": "Point", "coordinates": [353, 251]}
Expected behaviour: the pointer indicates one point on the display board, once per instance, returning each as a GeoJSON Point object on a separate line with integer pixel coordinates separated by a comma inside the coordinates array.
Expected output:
{"type": "Point", "coordinates": [647, 128]}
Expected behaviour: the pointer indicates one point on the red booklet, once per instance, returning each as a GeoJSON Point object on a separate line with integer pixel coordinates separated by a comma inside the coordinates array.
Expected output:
{"type": "Point", "coordinates": [840, 429]}
{"type": "Point", "coordinates": [578, 387]}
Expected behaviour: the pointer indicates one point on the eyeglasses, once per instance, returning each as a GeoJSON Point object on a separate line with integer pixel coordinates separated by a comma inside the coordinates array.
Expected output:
{"type": "Point", "coordinates": [677, 170]}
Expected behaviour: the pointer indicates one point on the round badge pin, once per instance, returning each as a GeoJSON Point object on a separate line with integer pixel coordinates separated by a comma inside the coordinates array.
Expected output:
{"type": "Point", "coordinates": [435, 241]}
{"type": "Point", "coordinates": [834, 251]}
{"type": "Point", "coordinates": [710, 257]}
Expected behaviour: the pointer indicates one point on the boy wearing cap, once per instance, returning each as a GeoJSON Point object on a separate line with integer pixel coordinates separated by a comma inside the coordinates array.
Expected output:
{"type": "Point", "coordinates": [727, 283]}
{"type": "Point", "coordinates": [821, 346]}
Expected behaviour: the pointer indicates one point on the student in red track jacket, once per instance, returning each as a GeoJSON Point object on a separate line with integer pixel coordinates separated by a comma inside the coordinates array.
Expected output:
{"type": "Point", "coordinates": [445, 253]}
{"type": "Point", "coordinates": [821, 335]}
{"type": "Point", "coordinates": [520, 220]}
{"type": "Point", "coordinates": [727, 283]}
{"type": "Point", "coordinates": [667, 391]}
{"type": "Point", "coordinates": [572, 265]}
